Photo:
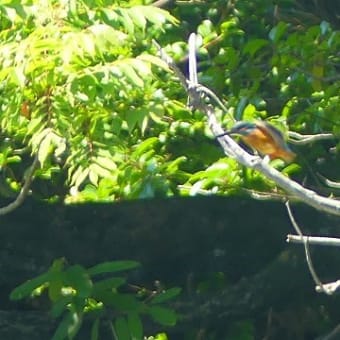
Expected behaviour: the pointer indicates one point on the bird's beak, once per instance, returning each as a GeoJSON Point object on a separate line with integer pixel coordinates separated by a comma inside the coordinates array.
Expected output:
{"type": "Point", "coordinates": [228, 132]}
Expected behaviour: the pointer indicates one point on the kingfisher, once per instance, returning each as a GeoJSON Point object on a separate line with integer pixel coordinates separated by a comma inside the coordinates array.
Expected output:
{"type": "Point", "coordinates": [264, 138]}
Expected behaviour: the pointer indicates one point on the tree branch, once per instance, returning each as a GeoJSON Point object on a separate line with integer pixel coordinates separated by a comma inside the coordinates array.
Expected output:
{"type": "Point", "coordinates": [328, 182]}
{"type": "Point", "coordinates": [306, 246]}
{"type": "Point", "coordinates": [233, 150]}
{"type": "Point", "coordinates": [297, 138]}
{"type": "Point", "coordinates": [327, 288]}
{"type": "Point", "coordinates": [314, 240]}
{"type": "Point", "coordinates": [24, 190]}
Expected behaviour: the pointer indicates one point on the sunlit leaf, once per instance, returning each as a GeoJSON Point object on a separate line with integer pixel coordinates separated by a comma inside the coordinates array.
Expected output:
{"type": "Point", "coordinates": [137, 17]}
{"type": "Point", "coordinates": [45, 149]}
{"type": "Point", "coordinates": [106, 163]}
{"type": "Point", "coordinates": [131, 74]}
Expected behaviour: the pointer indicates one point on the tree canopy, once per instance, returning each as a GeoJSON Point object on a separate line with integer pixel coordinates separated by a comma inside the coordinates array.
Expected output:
{"type": "Point", "coordinates": [82, 87]}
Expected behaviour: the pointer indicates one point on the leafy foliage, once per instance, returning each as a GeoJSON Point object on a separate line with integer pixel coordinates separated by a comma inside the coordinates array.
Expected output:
{"type": "Point", "coordinates": [76, 292]}
{"type": "Point", "coordinates": [81, 85]}
{"type": "Point", "coordinates": [79, 88]}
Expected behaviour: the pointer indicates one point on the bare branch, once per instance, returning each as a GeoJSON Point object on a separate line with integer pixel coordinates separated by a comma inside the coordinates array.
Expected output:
{"type": "Point", "coordinates": [162, 3]}
{"type": "Point", "coordinates": [233, 150]}
{"type": "Point", "coordinates": [168, 60]}
{"type": "Point", "coordinates": [297, 138]}
{"type": "Point", "coordinates": [24, 190]}
{"type": "Point", "coordinates": [328, 288]}
{"type": "Point", "coordinates": [306, 246]}
{"type": "Point", "coordinates": [314, 240]}
{"type": "Point", "coordinates": [328, 182]}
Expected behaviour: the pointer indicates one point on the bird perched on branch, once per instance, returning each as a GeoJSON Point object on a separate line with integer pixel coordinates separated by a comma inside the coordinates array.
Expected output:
{"type": "Point", "coordinates": [264, 138]}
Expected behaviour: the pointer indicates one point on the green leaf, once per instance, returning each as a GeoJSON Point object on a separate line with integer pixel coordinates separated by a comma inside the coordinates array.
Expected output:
{"type": "Point", "coordinates": [122, 302]}
{"type": "Point", "coordinates": [95, 330]}
{"type": "Point", "coordinates": [146, 145]}
{"type": "Point", "coordinates": [131, 74]}
{"type": "Point", "coordinates": [93, 177]}
{"type": "Point", "coordinates": [45, 149]}
{"type": "Point", "coordinates": [172, 167]}
{"type": "Point", "coordinates": [136, 116]}
{"type": "Point", "coordinates": [112, 267]}
{"type": "Point", "coordinates": [162, 315]}
{"type": "Point", "coordinates": [126, 20]}
{"type": "Point", "coordinates": [79, 176]}
{"type": "Point", "coordinates": [108, 284]}
{"type": "Point", "coordinates": [106, 163]}
{"type": "Point", "coordinates": [60, 305]}
{"type": "Point", "coordinates": [254, 45]}
{"type": "Point", "coordinates": [166, 295]}
{"type": "Point", "coordinates": [122, 329]}
{"type": "Point", "coordinates": [27, 288]}
{"type": "Point", "coordinates": [249, 112]}
{"type": "Point", "coordinates": [276, 32]}
{"type": "Point", "coordinates": [77, 277]}
{"type": "Point", "coordinates": [154, 60]}
{"type": "Point", "coordinates": [135, 326]}
{"type": "Point", "coordinates": [160, 336]}
{"type": "Point", "coordinates": [68, 327]}
{"type": "Point", "coordinates": [99, 171]}
{"type": "Point", "coordinates": [156, 15]}
{"type": "Point", "coordinates": [13, 159]}
{"type": "Point", "coordinates": [106, 37]}
{"type": "Point", "coordinates": [137, 17]}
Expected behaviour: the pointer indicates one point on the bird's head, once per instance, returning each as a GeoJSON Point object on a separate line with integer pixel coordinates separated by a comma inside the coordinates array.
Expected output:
{"type": "Point", "coordinates": [242, 128]}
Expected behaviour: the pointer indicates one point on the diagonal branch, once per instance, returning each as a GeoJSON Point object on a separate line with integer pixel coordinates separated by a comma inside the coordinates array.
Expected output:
{"type": "Point", "coordinates": [24, 190]}
{"type": "Point", "coordinates": [233, 150]}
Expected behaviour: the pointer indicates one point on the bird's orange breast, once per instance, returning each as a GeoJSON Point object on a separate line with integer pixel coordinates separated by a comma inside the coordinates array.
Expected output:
{"type": "Point", "coordinates": [266, 145]}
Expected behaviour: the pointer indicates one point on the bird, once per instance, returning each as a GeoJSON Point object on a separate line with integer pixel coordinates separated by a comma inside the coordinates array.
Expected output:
{"type": "Point", "coordinates": [263, 137]}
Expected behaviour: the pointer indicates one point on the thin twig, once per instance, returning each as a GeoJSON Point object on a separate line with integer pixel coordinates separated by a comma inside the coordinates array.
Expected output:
{"type": "Point", "coordinates": [306, 246]}
{"type": "Point", "coordinates": [162, 3]}
{"type": "Point", "coordinates": [172, 65]}
{"type": "Point", "coordinates": [314, 240]}
{"type": "Point", "coordinates": [328, 182]}
{"type": "Point", "coordinates": [24, 190]}
{"type": "Point", "coordinates": [297, 138]}
{"type": "Point", "coordinates": [212, 95]}
{"type": "Point", "coordinates": [233, 150]}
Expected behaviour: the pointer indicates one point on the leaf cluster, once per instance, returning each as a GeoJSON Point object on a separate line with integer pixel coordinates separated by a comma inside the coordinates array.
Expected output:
{"type": "Point", "coordinates": [76, 293]}
{"type": "Point", "coordinates": [80, 87]}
